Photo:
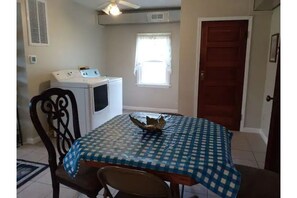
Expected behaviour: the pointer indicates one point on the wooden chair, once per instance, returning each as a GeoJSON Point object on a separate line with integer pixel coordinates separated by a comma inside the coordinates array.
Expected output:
{"type": "Point", "coordinates": [258, 183]}
{"type": "Point", "coordinates": [132, 183]}
{"type": "Point", "coordinates": [60, 109]}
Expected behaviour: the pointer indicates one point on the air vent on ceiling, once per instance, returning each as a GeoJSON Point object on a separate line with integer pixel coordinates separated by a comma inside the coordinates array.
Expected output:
{"type": "Point", "coordinates": [37, 22]}
{"type": "Point", "coordinates": [143, 17]}
{"type": "Point", "coordinates": [158, 17]}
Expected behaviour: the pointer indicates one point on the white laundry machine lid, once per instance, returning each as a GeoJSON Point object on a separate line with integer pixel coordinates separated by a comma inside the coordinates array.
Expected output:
{"type": "Point", "coordinates": [113, 79]}
{"type": "Point", "coordinates": [73, 78]}
{"type": "Point", "coordinates": [82, 82]}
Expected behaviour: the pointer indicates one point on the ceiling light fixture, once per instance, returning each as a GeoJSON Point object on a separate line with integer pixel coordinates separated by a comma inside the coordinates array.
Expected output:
{"type": "Point", "coordinates": [112, 9]}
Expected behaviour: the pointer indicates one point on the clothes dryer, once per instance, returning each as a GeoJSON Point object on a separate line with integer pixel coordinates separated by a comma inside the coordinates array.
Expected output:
{"type": "Point", "coordinates": [98, 98]}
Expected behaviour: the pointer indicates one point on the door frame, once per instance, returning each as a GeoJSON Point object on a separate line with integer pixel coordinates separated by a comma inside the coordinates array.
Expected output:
{"type": "Point", "coordinates": [247, 61]}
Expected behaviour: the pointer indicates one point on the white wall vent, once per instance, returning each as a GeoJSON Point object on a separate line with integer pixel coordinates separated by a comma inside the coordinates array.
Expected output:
{"type": "Point", "coordinates": [156, 17]}
{"type": "Point", "coordinates": [37, 22]}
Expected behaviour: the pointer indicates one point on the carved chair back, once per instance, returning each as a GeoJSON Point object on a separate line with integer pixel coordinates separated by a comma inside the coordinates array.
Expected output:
{"type": "Point", "coordinates": [55, 109]}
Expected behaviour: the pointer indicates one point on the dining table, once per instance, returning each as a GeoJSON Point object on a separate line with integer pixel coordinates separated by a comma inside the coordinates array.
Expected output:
{"type": "Point", "coordinates": [186, 151]}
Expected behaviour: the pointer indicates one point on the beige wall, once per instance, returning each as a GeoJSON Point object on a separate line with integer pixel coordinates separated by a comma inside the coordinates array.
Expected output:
{"type": "Point", "coordinates": [270, 76]}
{"type": "Point", "coordinates": [191, 11]}
{"type": "Point", "coordinates": [74, 39]}
{"type": "Point", "coordinates": [257, 70]}
{"type": "Point", "coordinates": [121, 44]}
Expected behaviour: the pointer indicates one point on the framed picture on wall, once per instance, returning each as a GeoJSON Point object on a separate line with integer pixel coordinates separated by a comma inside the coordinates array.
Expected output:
{"type": "Point", "coordinates": [273, 48]}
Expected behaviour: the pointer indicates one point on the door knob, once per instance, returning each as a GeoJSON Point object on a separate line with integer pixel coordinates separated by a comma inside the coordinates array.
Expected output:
{"type": "Point", "coordinates": [202, 75]}
{"type": "Point", "coordinates": [268, 98]}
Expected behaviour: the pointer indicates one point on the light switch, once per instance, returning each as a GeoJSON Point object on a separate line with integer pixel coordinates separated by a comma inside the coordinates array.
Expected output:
{"type": "Point", "coordinates": [32, 59]}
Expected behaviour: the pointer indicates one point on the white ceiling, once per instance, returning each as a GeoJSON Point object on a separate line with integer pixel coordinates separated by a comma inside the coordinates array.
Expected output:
{"type": "Point", "coordinates": [144, 4]}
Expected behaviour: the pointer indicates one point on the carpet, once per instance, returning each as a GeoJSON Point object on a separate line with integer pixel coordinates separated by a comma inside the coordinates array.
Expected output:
{"type": "Point", "coordinates": [26, 170]}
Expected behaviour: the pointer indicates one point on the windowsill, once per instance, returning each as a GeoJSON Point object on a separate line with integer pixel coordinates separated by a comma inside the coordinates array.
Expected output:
{"type": "Point", "coordinates": [153, 86]}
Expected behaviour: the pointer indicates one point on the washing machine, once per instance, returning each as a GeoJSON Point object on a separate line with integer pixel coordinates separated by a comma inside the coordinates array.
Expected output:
{"type": "Point", "coordinates": [99, 98]}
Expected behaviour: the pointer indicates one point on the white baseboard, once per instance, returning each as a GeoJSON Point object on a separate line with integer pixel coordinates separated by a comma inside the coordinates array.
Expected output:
{"type": "Point", "coordinates": [32, 140]}
{"type": "Point", "coordinates": [150, 109]}
{"type": "Point", "coordinates": [263, 136]}
{"type": "Point", "coordinates": [255, 130]}
{"type": "Point", "coordinates": [250, 130]}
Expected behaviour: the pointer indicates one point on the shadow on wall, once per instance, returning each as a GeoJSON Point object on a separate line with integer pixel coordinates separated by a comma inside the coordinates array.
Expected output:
{"type": "Point", "coordinates": [44, 85]}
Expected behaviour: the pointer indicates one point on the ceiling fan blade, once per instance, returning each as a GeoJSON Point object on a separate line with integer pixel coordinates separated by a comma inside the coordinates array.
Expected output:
{"type": "Point", "coordinates": [125, 3]}
{"type": "Point", "coordinates": [103, 5]}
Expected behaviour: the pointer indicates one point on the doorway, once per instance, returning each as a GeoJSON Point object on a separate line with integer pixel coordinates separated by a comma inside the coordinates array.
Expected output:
{"type": "Point", "coordinates": [23, 116]}
{"type": "Point", "coordinates": [272, 160]}
{"type": "Point", "coordinates": [222, 71]}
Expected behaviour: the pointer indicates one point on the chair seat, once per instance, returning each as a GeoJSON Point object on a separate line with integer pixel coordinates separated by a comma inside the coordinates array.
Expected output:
{"type": "Point", "coordinates": [258, 183]}
{"type": "Point", "coordinates": [85, 181]}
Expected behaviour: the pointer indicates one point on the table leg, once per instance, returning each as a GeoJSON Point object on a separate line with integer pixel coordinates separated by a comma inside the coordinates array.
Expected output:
{"type": "Point", "coordinates": [174, 190]}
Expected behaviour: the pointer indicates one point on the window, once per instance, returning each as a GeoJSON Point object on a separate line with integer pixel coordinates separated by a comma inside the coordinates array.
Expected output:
{"type": "Point", "coordinates": [153, 59]}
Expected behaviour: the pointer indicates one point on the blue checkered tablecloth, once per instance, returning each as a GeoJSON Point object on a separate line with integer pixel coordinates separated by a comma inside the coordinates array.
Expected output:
{"type": "Point", "coordinates": [188, 146]}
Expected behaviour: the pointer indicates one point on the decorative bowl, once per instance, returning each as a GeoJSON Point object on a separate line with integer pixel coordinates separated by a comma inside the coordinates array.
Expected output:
{"type": "Point", "coordinates": [151, 125]}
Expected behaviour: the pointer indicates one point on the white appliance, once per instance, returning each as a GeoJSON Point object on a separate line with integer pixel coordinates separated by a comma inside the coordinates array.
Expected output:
{"type": "Point", "coordinates": [98, 98]}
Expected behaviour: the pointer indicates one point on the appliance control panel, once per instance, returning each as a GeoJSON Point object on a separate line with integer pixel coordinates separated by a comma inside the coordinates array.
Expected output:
{"type": "Point", "coordinates": [76, 74]}
{"type": "Point", "coordinates": [66, 74]}
{"type": "Point", "coordinates": [90, 73]}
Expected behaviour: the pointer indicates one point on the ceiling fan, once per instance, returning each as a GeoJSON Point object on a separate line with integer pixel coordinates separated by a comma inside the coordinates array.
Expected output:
{"type": "Point", "coordinates": [111, 7]}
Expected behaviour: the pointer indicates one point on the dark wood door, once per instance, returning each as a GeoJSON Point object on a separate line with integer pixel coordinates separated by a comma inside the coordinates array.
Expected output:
{"type": "Point", "coordinates": [272, 160]}
{"type": "Point", "coordinates": [221, 74]}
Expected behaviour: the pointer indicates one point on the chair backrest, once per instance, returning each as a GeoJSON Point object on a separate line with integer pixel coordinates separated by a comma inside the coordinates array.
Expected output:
{"type": "Point", "coordinates": [59, 108]}
{"type": "Point", "coordinates": [133, 182]}
{"type": "Point", "coordinates": [258, 183]}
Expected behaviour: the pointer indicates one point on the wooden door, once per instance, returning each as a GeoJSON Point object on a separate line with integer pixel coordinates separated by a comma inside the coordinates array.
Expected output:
{"type": "Point", "coordinates": [221, 74]}
{"type": "Point", "coordinates": [272, 160]}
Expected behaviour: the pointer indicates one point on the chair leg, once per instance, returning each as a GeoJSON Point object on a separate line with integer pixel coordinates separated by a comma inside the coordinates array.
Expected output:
{"type": "Point", "coordinates": [91, 195]}
{"type": "Point", "coordinates": [56, 190]}
{"type": "Point", "coordinates": [182, 191]}
{"type": "Point", "coordinates": [105, 194]}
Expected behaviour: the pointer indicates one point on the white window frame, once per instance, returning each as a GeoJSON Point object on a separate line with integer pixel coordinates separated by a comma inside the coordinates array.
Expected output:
{"type": "Point", "coordinates": [138, 70]}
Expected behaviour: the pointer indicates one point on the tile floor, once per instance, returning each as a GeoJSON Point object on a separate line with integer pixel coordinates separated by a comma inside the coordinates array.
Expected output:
{"type": "Point", "coordinates": [247, 149]}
